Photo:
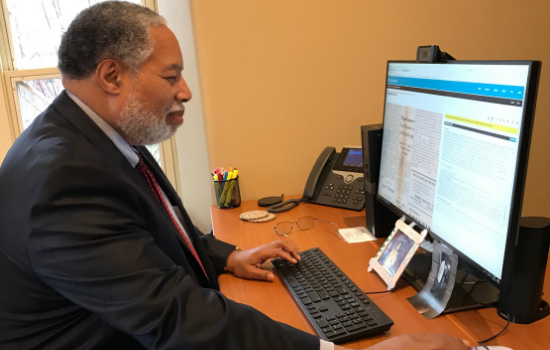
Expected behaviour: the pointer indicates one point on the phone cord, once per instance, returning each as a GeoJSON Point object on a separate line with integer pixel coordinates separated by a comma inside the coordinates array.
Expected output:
{"type": "Point", "coordinates": [284, 206]}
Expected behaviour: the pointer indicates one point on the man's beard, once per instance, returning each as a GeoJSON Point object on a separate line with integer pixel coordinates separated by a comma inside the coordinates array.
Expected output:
{"type": "Point", "coordinates": [140, 126]}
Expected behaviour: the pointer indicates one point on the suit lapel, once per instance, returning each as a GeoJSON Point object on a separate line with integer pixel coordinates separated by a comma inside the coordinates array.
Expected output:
{"type": "Point", "coordinates": [172, 195]}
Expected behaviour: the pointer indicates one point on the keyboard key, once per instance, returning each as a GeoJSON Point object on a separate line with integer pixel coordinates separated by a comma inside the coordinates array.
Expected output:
{"type": "Point", "coordinates": [309, 307]}
{"type": "Point", "coordinates": [334, 322]}
{"type": "Point", "coordinates": [360, 325]}
{"type": "Point", "coordinates": [357, 320]}
{"type": "Point", "coordinates": [333, 293]}
{"type": "Point", "coordinates": [314, 297]}
{"type": "Point", "coordinates": [306, 301]}
{"type": "Point", "coordinates": [312, 311]}
{"type": "Point", "coordinates": [341, 290]}
{"type": "Point", "coordinates": [322, 323]}
{"type": "Point", "coordinates": [323, 308]}
{"type": "Point", "coordinates": [330, 318]}
{"type": "Point", "coordinates": [317, 315]}
{"type": "Point", "coordinates": [338, 299]}
{"type": "Point", "coordinates": [327, 329]}
{"type": "Point", "coordinates": [343, 319]}
{"type": "Point", "coordinates": [324, 295]}
{"type": "Point", "coordinates": [359, 309]}
{"type": "Point", "coordinates": [340, 314]}
{"type": "Point", "coordinates": [351, 328]}
{"type": "Point", "coordinates": [337, 326]}
{"type": "Point", "coordinates": [344, 307]}
{"type": "Point", "coordinates": [330, 334]}
{"type": "Point", "coordinates": [347, 324]}
{"type": "Point", "coordinates": [354, 304]}
{"type": "Point", "coordinates": [372, 323]}
{"type": "Point", "coordinates": [363, 313]}
{"type": "Point", "coordinates": [342, 302]}
{"type": "Point", "coordinates": [350, 312]}
{"type": "Point", "coordinates": [340, 331]}
{"type": "Point", "coordinates": [352, 317]}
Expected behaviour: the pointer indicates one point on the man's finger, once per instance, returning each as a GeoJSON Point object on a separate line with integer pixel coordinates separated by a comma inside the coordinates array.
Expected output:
{"type": "Point", "coordinates": [288, 248]}
{"type": "Point", "coordinates": [276, 253]}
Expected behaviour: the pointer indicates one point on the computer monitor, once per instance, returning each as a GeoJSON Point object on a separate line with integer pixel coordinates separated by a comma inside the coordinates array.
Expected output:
{"type": "Point", "coordinates": [454, 153]}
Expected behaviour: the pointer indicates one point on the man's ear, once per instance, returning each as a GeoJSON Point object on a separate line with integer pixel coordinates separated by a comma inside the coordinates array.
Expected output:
{"type": "Point", "coordinates": [109, 75]}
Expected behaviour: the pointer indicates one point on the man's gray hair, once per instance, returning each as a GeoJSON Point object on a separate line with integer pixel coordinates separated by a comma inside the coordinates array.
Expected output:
{"type": "Point", "coordinates": [116, 30]}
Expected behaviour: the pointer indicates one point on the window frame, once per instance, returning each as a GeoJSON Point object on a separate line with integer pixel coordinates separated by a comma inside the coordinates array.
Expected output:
{"type": "Point", "coordinates": [10, 75]}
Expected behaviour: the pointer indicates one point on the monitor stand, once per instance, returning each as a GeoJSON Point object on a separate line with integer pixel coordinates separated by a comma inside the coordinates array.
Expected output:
{"type": "Point", "coordinates": [469, 292]}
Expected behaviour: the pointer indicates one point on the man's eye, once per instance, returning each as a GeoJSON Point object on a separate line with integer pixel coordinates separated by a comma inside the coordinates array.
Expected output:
{"type": "Point", "coordinates": [171, 78]}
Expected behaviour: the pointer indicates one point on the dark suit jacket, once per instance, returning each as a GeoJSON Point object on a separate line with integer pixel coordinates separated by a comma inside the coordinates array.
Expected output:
{"type": "Point", "coordinates": [89, 259]}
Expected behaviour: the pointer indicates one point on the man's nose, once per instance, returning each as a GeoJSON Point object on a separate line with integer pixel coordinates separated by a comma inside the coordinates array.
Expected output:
{"type": "Point", "coordinates": [184, 94]}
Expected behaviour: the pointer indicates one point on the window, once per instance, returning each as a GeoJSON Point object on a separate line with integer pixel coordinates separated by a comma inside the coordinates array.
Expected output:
{"type": "Point", "coordinates": [30, 34]}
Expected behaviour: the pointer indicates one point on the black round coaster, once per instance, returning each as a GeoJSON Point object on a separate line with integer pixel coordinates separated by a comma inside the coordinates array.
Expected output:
{"type": "Point", "coordinates": [269, 201]}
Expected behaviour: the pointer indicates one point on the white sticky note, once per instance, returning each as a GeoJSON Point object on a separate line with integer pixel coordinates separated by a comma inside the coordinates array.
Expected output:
{"type": "Point", "coordinates": [356, 235]}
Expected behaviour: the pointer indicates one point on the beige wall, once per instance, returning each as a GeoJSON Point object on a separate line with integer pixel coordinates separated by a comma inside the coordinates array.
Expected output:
{"type": "Point", "coordinates": [282, 79]}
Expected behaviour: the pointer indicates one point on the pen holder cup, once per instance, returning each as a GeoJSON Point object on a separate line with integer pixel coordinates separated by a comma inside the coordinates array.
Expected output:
{"type": "Point", "coordinates": [228, 193]}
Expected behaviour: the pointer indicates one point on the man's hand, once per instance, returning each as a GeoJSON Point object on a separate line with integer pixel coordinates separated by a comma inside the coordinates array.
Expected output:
{"type": "Point", "coordinates": [420, 342]}
{"type": "Point", "coordinates": [246, 263]}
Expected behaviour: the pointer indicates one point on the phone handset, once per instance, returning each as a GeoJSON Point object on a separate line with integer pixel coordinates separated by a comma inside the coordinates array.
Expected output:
{"type": "Point", "coordinates": [312, 183]}
{"type": "Point", "coordinates": [325, 158]}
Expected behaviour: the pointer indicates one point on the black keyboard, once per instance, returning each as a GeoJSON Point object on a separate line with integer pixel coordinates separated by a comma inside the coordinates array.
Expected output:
{"type": "Point", "coordinates": [338, 310]}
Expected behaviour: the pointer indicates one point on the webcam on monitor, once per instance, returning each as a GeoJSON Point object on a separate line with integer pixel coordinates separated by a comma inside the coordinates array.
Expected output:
{"type": "Point", "coordinates": [432, 54]}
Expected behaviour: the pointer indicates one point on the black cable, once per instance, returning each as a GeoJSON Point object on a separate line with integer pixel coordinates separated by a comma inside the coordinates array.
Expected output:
{"type": "Point", "coordinates": [401, 286]}
{"type": "Point", "coordinates": [472, 289]}
{"type": "Point", "coordinates": [481, 342]}
{"type": "Point", "coordinates": [284, 206]}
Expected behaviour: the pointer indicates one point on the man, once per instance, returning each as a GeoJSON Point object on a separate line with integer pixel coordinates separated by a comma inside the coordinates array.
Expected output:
{"type": "Point", "coordinates": [96, 249]}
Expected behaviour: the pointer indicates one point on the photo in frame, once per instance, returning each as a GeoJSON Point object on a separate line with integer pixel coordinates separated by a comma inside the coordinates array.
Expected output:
{"type": "Point", "coordinates": [396, 252]}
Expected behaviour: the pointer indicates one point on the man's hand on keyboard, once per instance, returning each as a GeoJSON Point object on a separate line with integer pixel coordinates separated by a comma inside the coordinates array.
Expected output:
{"type": "Point", "coordinates": [420, 342]}
{"type": "Point", "coordinates": [246, 263]}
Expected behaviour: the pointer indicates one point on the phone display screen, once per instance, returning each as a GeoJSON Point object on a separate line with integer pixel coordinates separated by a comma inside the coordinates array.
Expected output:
{"type": "Point", "coordinates": [354, 158]}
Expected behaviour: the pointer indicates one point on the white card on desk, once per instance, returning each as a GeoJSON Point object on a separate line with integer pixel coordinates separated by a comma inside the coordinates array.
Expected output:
{"type": "Point", "coordinates": [356, 235]}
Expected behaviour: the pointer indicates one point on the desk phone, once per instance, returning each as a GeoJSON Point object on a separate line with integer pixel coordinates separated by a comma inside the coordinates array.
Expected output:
{"type": "Point", "coordinates": [337, 179]}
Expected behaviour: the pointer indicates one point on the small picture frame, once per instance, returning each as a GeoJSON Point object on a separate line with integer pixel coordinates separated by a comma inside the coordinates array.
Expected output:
{"type": "Point", "coordinates": [396, 252]}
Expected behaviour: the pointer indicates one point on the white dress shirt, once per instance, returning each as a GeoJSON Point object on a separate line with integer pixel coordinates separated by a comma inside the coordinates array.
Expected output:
{"type": "Point", "coordinates": [133, 158]}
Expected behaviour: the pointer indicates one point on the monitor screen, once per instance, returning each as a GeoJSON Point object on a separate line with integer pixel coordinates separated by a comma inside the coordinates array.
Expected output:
{"type": "Point", "coordinates": [450, 152]}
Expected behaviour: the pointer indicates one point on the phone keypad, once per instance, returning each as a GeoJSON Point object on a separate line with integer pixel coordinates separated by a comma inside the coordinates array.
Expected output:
{"type": "Point", "coordinates": [342, 194]}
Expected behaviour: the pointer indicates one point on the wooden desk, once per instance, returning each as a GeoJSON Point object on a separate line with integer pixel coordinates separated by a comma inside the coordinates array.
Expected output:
{"type": "Point", "coordinates": [274, 300]}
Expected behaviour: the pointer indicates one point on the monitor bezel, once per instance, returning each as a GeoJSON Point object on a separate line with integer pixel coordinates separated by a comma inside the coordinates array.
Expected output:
{"type": "Point", "coordinates": [530, 97]}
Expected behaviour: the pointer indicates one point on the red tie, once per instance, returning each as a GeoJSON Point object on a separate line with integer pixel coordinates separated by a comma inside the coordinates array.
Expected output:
{"type": "Point", "coordinates": [147, 175]}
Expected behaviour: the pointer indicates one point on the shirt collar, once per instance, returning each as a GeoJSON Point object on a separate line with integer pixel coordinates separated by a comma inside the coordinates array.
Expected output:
{"type": "Point", "coordinates": [111, 133]}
